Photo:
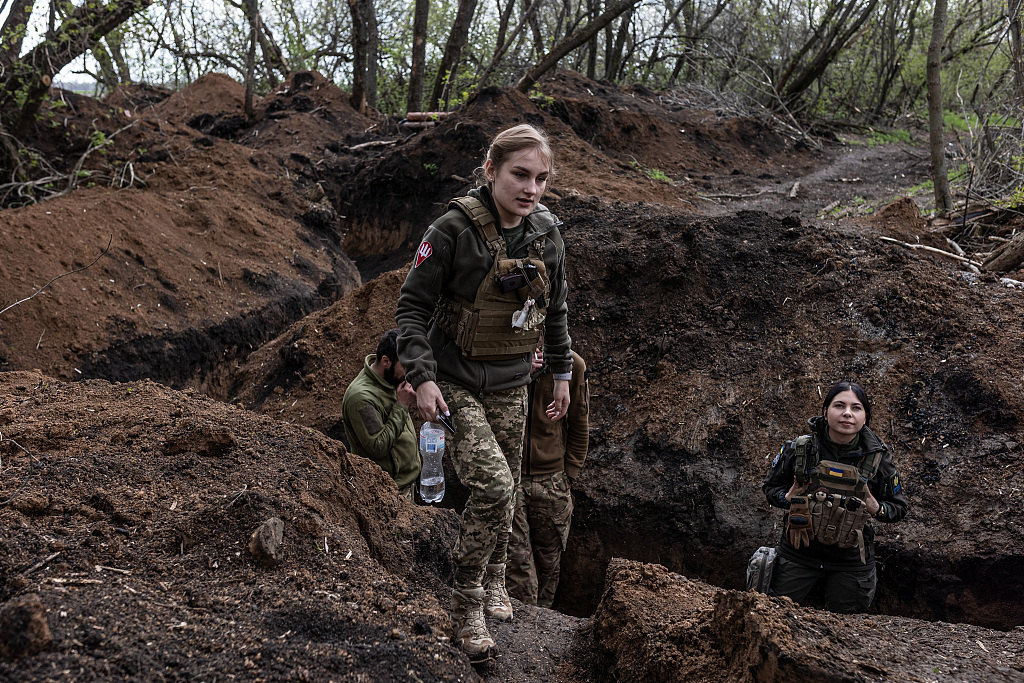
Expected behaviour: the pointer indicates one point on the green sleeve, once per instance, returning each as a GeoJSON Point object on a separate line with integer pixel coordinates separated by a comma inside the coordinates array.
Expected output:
{"type": "Point", "coordinates": [373, 429]}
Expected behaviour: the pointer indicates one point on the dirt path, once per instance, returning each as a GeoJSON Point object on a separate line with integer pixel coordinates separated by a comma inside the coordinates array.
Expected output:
{"type": "Point", "coordinates": [849, 180]}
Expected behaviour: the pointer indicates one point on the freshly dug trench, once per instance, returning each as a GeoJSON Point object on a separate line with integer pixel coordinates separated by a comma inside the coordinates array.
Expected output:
{"type": "Point", "coordinates": [680, 525]}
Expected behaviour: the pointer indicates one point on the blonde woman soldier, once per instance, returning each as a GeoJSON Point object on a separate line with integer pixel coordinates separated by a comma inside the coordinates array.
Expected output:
{"type": "Point", "coordinates": [487, 279]}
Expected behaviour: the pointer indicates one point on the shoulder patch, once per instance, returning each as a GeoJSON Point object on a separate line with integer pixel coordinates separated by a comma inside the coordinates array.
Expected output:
{"type": "Point", "coordinates": [776, 460]}
{"type": "Point", "coordinates": [895, 483]}
{"type": "Point", "coordinates": [370, 419]}
{"type": "Point", "coordinates": [423, 253]}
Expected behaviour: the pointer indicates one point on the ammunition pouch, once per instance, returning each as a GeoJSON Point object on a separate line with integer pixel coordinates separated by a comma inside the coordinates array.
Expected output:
{"type": "Point", "coordinates": [839, 520]}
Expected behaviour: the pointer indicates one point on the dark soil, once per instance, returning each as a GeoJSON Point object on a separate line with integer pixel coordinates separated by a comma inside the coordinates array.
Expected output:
{"type": "Point", "coordinates": [161, 405]}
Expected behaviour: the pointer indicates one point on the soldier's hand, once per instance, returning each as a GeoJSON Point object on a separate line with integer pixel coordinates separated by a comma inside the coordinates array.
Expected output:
{"type": "Point", "coordinates": [557, 409]}
{"type": "Point", "coordinates": [796, 490]}
{"type": "Point", "coordinates": [406, 395]}
{"type": "Point", "coordinates": [537, 360]}
{"type": "Point", "coordinates": [429, 399]}
{"type": "Point", "coordinates": [873, 504]}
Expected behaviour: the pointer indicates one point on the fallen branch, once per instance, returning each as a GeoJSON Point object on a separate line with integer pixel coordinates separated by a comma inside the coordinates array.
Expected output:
{"type": "Point", "coordinates": [39, 565]}
{"type": "Point", "coordinates": [924, 247]}
{"type": "Point", "coordinates": [372, 143]}
{"type": "Point", "coordinates": [70, 272]}
{"type": "Point", "coordinates": [828, 208]}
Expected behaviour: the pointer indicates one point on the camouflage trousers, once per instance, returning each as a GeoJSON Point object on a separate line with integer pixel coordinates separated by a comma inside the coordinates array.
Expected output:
{"type": "Point", "coordinates": [540, 530]}
{"type": "Point", "coordinates": [487, 452]}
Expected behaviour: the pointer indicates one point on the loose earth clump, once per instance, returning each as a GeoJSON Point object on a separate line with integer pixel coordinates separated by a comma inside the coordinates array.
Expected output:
{"type": "Point", "coordinates": [176, 492]}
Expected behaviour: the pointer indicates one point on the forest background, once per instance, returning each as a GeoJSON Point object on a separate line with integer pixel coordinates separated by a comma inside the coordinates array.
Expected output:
{"type": "Point", "coordinates": [814, 66]}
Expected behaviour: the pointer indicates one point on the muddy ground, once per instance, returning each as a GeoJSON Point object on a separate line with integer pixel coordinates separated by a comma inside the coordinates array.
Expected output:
{"type": "Point", "coordinates": [161, 405]}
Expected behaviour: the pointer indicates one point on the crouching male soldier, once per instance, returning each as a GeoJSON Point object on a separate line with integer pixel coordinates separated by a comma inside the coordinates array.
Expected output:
{"type": "Point", "coordinates": [375, 412]}
{"type": "Point", "coordinates": [553, 455]}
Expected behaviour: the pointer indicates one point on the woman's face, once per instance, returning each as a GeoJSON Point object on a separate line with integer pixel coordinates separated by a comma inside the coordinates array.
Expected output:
{"type": "Point", "coordinates": [845, 416]}
{"type": "Point", "coordinates": [518, 184]}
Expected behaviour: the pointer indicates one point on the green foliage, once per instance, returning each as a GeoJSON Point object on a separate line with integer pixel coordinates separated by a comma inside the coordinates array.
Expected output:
{"type": "Point", "coordinates": [99, 140]}
{"type": "Point", "coordinates": [542, 101]}
{"type": "Point", "coordinates": [657, 174]}
{"type": "Point", "coordinates": [888, 137]}
{"type": "Point", "coordinates": [430, 168]}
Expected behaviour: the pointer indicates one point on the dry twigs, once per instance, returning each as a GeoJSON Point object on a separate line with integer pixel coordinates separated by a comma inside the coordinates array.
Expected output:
{"type": "Point", "coordinates": [45, 187]}
{"type": "Point", "coordinates": [924, 247]}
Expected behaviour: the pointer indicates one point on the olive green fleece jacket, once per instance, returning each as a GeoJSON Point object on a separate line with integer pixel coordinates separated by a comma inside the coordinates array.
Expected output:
{"type": "Point", "coordinates": [378, 427]}
{"type": "Point", "coordinates": [561, 445]}
{"type": "Point", "coordinates": [453, 260]}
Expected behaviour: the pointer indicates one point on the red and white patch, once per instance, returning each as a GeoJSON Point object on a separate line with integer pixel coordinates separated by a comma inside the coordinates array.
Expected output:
{"type": "Point", "coordinates": [423, 253]}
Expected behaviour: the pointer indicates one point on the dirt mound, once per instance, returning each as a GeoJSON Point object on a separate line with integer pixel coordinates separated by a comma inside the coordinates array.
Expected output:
{"type": "Point", "coordinates": [128, 509]}
{"type": "Point", "coordinates": [655, 626]}
{"type": "Point", "coordinates": [213, 249]}
{"type": "Point", "coordinates": [648, 131]}
{"type": "Point", "coordinates": [902, 220]}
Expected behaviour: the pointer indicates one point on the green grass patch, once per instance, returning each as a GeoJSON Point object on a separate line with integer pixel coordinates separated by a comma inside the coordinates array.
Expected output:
{"type": "Point", "coordinates": [887, 137]}
{"type": "Point", "coordinates": [658, 174]}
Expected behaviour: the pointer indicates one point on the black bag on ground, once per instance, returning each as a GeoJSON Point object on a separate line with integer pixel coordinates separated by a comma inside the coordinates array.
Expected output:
{"type": "Point", "coordinates": [759, 570]}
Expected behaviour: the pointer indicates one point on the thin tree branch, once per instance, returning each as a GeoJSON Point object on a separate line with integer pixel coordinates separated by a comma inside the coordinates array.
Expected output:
{"type": "Point", "coordinates": [70, 272]}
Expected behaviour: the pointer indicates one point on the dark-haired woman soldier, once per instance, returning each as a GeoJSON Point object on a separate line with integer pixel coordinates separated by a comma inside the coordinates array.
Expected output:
{"type": "Point", "coordinates": [832, 482]}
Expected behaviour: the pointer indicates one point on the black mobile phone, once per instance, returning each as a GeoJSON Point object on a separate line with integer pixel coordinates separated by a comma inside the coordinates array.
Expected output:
{"type": "Point", "coordinates": [446, 421]}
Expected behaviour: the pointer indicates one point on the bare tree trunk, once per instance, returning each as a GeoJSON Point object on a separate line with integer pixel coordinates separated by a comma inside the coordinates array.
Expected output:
{"type": "Point", "coordinates": [936, 143]}
{"type": "Point", "coordinates": [360, 41]}
{"type": "Point", "coordinates": [253, 14]}
{"type": "Point", "coordinates": [452, 51]}
{"type": "Point", "coordinates": [538, 37]}
{"type": "Point", "coordinates": [505, 15]}
{"type": "Point", "coordinates": [372, 53]}
{"type": "Point", "coordinates": [841, 33]}
{"type": "Point", "coordinates": [115, 44]}
{"type": "Point", "coordinates": [419, 54]}
{"type": "Point", "coordinates": [592, 43]}
{"type": "Point", "coordinates": [1015, 47]}
{"type": "Point", "coordinates": [12, 35]}
{"type": "Point", "coordinates": [571, 42]}
{"type": "Point", "coordinates": [106, 74]}
{"type": "Point", "coordinates": [611, 67]}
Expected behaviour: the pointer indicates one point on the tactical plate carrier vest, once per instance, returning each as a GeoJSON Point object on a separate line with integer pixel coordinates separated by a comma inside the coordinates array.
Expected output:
{"type": "Point", "coordinates": [505, 318]}
{"type": "Point", "coordinates": [835, 495]}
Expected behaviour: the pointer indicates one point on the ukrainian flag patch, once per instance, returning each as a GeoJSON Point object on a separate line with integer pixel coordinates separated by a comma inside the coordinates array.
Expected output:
{"type": "Point", "coordinates": [835, 472]}
{"type": "Point", "coordinates": [895, 483]}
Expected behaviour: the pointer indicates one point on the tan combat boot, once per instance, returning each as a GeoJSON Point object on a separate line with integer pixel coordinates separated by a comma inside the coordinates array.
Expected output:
{"type": "Point", "coordinates": [469, 632]}
{"type": "Point", "coordinates": [496, 601]}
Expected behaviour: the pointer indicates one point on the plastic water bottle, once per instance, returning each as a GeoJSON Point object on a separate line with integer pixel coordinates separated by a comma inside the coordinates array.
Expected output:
{"type": "Point", "coordinates": [431, 450]}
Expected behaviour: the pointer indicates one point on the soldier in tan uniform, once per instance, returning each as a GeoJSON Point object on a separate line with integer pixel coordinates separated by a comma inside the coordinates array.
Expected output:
{"type": "Point", "coordinates": [487, 279]}
{"type": "Point", "coordinates": [553, 457]}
